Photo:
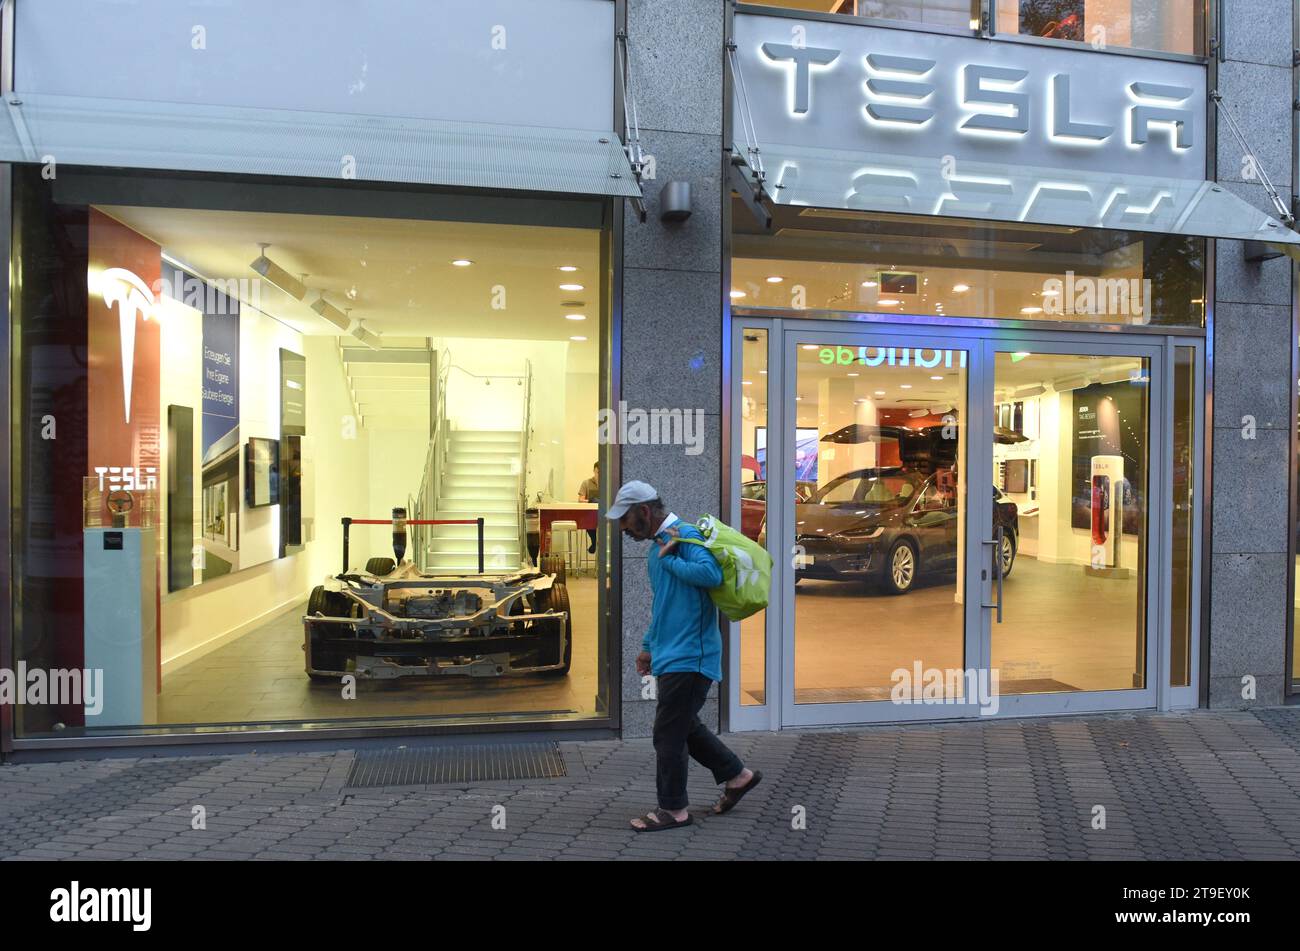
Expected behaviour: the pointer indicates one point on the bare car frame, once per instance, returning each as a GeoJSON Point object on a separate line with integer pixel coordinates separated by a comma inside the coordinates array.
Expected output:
{"type": "Point", "coordinates": [382, 625]}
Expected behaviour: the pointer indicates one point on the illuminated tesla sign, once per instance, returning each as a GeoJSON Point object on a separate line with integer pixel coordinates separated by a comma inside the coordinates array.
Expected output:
{"type": "Point", "coordinates": [850, 87]}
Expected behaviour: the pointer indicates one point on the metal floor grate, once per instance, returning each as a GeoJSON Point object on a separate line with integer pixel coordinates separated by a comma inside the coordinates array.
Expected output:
{"type": "Point", "coordinates": [476, 763]}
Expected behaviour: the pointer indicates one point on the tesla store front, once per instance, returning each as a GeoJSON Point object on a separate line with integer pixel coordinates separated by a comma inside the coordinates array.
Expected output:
{"type": "Point", "coordinates": [968, 329]}
{"type": "Point", "coordinates": [305, 371]}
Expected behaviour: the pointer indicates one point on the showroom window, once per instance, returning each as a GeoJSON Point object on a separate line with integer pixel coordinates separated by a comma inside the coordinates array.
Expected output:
{"type": "Point", "coordinates": [1167, 26]}
{"type": "Point", "coordinates": [837, 260]}
{"type": "Point", "coordinates": [214, 375]}
{"type": "Point", "coordinates": [953, 14]}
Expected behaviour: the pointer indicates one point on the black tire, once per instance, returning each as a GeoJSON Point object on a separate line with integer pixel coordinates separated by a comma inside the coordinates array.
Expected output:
{"type": "Point", "coordinates": [1008, 553]}
{"type": "Point", "coordinates": [900, 568]}
{"type": "Point", "coordinates": [380, 566]}
{"type": "Point", "coordinates": [329, 603]}
{"type": "Point", "coordinates": [557, 599]}
{"type": "Point", "coordinates": [553, 565]}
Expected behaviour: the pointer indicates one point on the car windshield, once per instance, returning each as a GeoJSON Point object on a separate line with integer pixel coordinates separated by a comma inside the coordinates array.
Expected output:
{"type": "Point", "coordinates": [868, 487]}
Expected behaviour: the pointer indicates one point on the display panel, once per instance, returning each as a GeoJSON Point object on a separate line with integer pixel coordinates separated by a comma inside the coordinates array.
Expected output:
{"type": "Point", "coordinates": [317, 365]}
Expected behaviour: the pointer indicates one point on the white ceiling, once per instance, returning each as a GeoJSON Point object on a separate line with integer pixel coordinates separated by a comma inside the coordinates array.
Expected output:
{"type": "Point", "coordinates": [396, 274]}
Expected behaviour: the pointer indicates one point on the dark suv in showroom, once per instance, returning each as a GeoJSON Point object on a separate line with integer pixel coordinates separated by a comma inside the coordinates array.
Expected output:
{"type": "Point", "coordinates": [889, 525]}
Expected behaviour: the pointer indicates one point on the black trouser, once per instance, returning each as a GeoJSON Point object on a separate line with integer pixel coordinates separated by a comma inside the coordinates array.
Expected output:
{"type": "Point", "coordinates": [679, 736]}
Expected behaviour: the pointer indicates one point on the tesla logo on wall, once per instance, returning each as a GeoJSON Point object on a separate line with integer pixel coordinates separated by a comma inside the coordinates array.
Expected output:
{"type": "Point", "coordinates": [133, 299]}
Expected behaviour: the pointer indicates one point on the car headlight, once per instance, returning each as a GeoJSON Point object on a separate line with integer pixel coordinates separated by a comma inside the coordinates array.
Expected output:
{"type": "Point", "coordinates": [866, 535]}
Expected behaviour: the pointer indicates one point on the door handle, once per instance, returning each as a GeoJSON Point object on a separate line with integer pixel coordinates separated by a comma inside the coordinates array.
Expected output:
{"type": "Point", "coordinates": [996, 542]}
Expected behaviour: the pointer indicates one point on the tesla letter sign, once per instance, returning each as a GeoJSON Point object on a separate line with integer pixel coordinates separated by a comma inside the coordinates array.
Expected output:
{"type": "Point", "coordinates": [857, 88]}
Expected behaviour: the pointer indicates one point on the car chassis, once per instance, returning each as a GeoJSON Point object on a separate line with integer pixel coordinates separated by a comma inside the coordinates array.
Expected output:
{"type": "Point", "coordinates": [409, 624]}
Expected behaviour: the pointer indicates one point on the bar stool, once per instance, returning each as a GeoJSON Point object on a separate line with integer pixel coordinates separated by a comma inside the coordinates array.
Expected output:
{"type": "Point", "coordinates": [564, 542]}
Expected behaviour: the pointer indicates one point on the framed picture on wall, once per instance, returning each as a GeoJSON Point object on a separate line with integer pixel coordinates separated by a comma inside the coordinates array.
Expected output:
{"type": "Point", "coordinates": [262, 472]}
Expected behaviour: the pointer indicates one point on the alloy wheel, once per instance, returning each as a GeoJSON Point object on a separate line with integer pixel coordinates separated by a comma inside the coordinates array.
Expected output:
{"type": "Point", "coordinates": [902, 567]}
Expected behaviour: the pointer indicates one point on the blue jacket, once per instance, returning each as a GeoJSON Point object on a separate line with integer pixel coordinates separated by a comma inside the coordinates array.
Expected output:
{"type": "Point", "coordinates": [683, 634]}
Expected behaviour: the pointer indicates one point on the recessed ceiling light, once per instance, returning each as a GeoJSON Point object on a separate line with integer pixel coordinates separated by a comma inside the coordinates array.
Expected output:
{"type": "Point", "coordinates": [905, 386]}
{"type": "Point", "coordinates": [1031, 310]}
{"type": "Point", "coordinates": [575, 316]}
{"type": "Point", "coordinates": [1051, 292]}
{"type": "Point", "coordinates": [462, 262]}
{"type": "Point", "coordinates": [889, 302]}
{"type": "Point", "coordinates": [736, 295]}
{"type": "Point", "coordinates": [571, 287]}
{"type": "Point", "coordinates": [868, 283]}
{"type": "Point", "coordinates": [567, 267]}
{"type": "Point", "coordinates": [854, 374]}
{"type": "Point", "coordinates": [775, 280]}
{"type": "Point", "coordinates": [960, 288]}
{"type": "Point", "coordinates": [578, 339]}
{"type": "Point", "coordinates": [798, 399]}
{"type": "Point", "coordinates": [810, 346]}
{"type": "Point", "coordinates": [746, 382]}
{"type": "Point", "coordinates": [936, 378]}
{"type": "Point", "coordinates": [880, 392]}
{"type": "Point", "coordinates": [764, 372]}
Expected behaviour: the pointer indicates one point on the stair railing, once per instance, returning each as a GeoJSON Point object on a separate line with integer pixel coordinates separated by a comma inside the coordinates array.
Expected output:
{"type": "Point", "coordinates": [426, 500]}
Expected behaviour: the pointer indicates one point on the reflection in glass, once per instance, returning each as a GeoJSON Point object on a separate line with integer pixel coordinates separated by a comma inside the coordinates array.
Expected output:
{"type": "Point", "coordinates": [879, 539]}
{"type": "Point", "coordinates": [957, 14]}
{"type": "Point", "coordinates": [753, 503]}
{"type": "Point", "coordinates": [1077, 472]}
{"type": "Point", "coordinates": [1184, 502]}
{"type": "Point", "coordinates": [1169, 26]}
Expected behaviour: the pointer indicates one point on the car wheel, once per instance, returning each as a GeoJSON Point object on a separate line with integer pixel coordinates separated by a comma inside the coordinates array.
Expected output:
{"type": "Point", "coordinates": [558, 600]}
{"type": "Point", "coordinates": [553, 565]}
{"type": "Point", "coordinates": [1008, 553]}
{"type": "Point", "coordinates": [900, 568]}
{"type": "Point", "coordinates": [329, 603]}
{"type": "Point", "coordinates": [380, 566]}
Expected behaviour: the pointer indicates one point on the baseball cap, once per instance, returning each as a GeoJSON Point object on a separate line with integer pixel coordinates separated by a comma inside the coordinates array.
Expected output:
{"type": "Point", "coordinates": [632, 493]}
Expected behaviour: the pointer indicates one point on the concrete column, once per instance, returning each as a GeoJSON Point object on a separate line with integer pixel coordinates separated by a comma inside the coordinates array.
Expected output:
{"type": "Point", "coordinates": [672, 292]}
{"type": "Point", "coordinates": [1253, 343]}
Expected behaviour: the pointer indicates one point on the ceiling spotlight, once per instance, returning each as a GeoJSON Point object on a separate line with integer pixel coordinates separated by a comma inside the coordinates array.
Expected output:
{"type": "Point", "coordinates": [960, 288]}
{"type": "Point", "coordinates": [371, 340]}
{"type": "Point", "coordinates": [567, 267]}
{"type": "Point", "coordinates": [462, 262]}
{"type": "Point", "coordinates": [736, 295]}
{"type": "Point", "coordinates": [905, 386]}
{"type": "Point", "coordinates": [869, 284]}
{"type": "Point", "coordinates": [575, 316]}
{"type": "Point", "coordinates": [331, 313]}
{"type": "Point", "coordinates": [571, 287]}
{"type": "Point", "coordinates": [277, 275]}
{"type": "Point", "coordinates": [775, 280]}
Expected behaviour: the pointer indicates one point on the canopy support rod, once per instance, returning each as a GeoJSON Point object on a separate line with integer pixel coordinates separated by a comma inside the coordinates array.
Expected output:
{"type": "Point", "coordinates": [632, 121]}
{"type": "Point", "coordinates": [1279, 205]}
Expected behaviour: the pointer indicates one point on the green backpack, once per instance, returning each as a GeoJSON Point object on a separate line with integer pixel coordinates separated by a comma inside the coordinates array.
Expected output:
{"type": "Point", "coordinates": [746, 569]}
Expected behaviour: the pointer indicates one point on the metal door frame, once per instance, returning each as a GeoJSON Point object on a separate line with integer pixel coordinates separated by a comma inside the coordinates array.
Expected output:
{"type": "Point", "coordinates": [783, 335]}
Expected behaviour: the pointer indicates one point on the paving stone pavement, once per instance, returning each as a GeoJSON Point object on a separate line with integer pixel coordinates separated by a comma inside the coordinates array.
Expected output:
{"type": "Point", "coordinates": [1215, 785]}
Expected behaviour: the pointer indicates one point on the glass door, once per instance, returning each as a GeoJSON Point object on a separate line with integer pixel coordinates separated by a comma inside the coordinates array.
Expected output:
{"type": "Point", "coordinates": [961, 526]}
{"type": "Point", "coordinates": [880, 584]}
{"type": "Point", "coordinates": [1077, 498]}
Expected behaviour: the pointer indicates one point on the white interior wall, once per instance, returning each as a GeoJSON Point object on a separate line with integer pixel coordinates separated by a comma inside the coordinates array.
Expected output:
{"type": "Point", "coordinates": [581, 449]}
{"type": "Point", "coordinates": [200, 619]}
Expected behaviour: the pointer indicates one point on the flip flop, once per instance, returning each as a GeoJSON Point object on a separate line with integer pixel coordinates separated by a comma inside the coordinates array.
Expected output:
{"type": "Point", "coordinates": [730, 797]}
{"type": "Point", "coordinates": [661, 819]}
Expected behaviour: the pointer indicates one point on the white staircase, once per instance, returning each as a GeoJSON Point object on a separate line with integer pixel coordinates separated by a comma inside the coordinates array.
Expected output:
{"type": "Point", "coordinates": [481, 476]}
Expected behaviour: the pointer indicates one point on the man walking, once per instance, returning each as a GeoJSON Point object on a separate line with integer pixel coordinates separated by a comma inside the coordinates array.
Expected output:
{"type": "Point", "coordinates": [683, 650]}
